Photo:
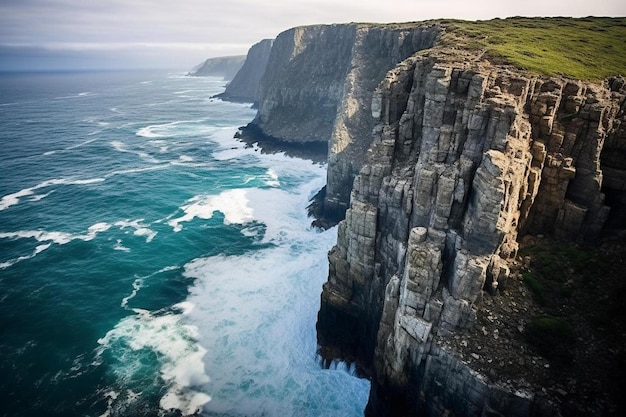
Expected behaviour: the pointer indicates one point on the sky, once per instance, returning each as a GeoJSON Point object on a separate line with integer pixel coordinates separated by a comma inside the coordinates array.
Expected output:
{"type": "Point", "coordinates": [180, 34]}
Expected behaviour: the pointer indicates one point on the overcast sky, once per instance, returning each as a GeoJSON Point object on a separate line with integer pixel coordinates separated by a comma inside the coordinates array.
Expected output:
{"type": "Point", "coordinates": [79, 34]}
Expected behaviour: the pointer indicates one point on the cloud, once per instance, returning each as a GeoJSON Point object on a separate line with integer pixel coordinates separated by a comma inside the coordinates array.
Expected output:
{"type": "Point", "coordinates": [197, 29]}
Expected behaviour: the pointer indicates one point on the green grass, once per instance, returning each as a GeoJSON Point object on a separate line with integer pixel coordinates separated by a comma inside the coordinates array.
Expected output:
{"type": "Point", "coordinates": [553, 268]}
{"type": "Point", "coordinates": [587, 48]}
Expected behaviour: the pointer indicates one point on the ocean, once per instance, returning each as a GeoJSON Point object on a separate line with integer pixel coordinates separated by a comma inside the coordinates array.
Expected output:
{"type": "Point", "coordinates": [151, 264]}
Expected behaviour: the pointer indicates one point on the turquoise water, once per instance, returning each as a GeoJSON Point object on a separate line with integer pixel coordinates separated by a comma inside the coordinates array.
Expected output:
{"type": "Point", "coordinates": [150, 264]}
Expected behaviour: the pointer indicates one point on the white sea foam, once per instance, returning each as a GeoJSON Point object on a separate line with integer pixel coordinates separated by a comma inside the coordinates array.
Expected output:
{"type": "Point", "coordinates": [136, 170]}
{"type": "Point", "coordinates": [140, 229]}
{"type": "Point", "coordinates": [139, 282]}
{"type": "Point", "coordinates": [111, 396]}
{"type": "Point", "coordinates": [174, 129]}
{"type": "Point", "coordinates": [256, 312]}
{"type": "Point", "coordinates": [37, 197]}
{"type": "Point", "coordinates": [81, 94]}
{"type": "Point", "coordinates": [60, 238]}
{"type": "Point", "coordinates": [229, 148]}
{"type": "Point", "coordinates": [161, 144]}
{"type": "Point", "coordinates": [121, 147]}
{"type": "Point", "coordinates": [175, 343]}
{"type": "Point", "coordinates": [38, 249]}
{"type": "Point", "coordinates": [93, 230]}
{"type": "Point", "coordinates": [232, 203]}
{"type": "Point", "coordinates": [272, 178]}
{"type": "Point", "coordinates": [147, 132]}
{"type": "Point", "coordinates": [118, 246]}
{"type": "Point", "coordinates": [78, 145]}
{"type": "Point", "coordinates": [13, 199]}
{"type": "Point", "coordinates": [257, 322]}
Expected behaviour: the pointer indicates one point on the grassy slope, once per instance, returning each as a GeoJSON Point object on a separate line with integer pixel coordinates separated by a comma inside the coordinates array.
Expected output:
{"type": "Point", "coordinates": [586, 48]}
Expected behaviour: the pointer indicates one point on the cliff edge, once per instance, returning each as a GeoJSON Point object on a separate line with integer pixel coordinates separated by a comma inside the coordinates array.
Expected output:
{"type": "Point", "coordinates": [245, 83]}
{"type": "Point", "coordinates": [317, 88]}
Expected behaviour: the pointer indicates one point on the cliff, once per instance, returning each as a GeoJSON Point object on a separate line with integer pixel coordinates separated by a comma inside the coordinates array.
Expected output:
{"type": "Point", "coordinates": [225, 67]}
{"type": "Point", "coordinates": [444, 155]}
{"type": "Point", "coordinates": [466, 157]}
{"type": "Point", "coordinates": [245, 84]}
{"type": "Point", "coordinates": [317, 88]}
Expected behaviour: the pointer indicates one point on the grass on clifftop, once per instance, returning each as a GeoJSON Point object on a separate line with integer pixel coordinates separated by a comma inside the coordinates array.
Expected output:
{"type": "Point", "coordinates": [591, 48]}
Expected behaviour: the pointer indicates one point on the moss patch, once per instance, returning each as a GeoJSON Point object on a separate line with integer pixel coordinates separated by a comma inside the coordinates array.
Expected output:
{"type": "Point", "coordinates": [535, 287]}
{"type": "Point", "coordinates": [552, 337]}
{"type": "Point", "coordinates": [588, 48]}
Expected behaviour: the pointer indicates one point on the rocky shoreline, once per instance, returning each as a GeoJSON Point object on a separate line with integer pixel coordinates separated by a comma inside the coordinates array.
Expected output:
{"type": "Point", "coordinates": [314, 151]}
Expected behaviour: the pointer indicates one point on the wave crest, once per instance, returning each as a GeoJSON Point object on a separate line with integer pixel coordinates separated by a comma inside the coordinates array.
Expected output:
{"type": "Point", "coordinates": [136, 339]}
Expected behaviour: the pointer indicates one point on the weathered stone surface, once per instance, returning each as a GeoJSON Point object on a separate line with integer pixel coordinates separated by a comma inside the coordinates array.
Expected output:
{"type": "Point", "coordinates": [465, 158]}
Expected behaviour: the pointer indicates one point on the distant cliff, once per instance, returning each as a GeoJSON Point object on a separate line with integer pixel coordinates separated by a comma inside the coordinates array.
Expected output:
{"type": "Point", "coordinates": [225, 67]}
{"type": "Point", "coordinates": [245, 84]}
{"type": "Point", "coordinates": [317, 90]}
{"type": "Point", "coordinates": [445, 153]}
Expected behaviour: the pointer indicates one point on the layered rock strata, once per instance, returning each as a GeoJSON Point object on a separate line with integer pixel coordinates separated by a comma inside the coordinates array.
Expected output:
{"type": "Point", "coordinates": [464, 157]}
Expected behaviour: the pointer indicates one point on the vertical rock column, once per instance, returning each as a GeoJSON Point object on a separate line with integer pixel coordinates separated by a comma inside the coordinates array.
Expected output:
{"type": "Point", "coordinates": [445, 179]}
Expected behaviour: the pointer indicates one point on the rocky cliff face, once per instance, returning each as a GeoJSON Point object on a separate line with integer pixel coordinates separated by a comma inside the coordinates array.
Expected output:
{"type": "Point", "coordinates": [244, 86]}
{"type": "Point", "coordinates": [440, 162]}
{"type": "Point", "coordinates": [464, 158]}
{"type": "Point", "coordinates": [225, 67]}
{"type": "Point", "coordinates": [318, 86]}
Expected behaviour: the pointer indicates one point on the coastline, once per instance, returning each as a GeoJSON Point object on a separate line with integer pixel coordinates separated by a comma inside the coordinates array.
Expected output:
{"type": "Point", "coordinates": [251, 134]}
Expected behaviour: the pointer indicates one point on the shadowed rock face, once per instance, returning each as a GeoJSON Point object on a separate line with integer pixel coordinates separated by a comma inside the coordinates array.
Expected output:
{"type": "Point", "coordinates": [318, 88]}
{"type": "Point", "coordinates": [244, 86]}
